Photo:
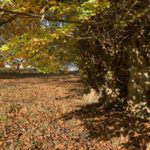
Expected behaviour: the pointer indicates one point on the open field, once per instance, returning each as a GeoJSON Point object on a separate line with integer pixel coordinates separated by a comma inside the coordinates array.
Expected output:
{"type": "Point", "coordinates": [46, 112]}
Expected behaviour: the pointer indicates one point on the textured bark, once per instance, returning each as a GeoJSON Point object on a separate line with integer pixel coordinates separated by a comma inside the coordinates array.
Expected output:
{"type": "Point", "coordinates": [138, 85]}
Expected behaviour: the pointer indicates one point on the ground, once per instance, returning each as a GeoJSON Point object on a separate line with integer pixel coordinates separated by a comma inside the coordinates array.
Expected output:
{"type": "Point", "coordinates": [46, 112]}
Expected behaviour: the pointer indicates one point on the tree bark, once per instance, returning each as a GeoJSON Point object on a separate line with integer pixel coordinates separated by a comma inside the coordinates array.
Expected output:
{"type": "Point", "coordinates": [138, 84]}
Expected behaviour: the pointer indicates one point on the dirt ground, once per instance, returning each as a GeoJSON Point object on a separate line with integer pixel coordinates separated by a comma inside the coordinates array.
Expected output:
{"type": "Point", "coordinates": [46, 112]}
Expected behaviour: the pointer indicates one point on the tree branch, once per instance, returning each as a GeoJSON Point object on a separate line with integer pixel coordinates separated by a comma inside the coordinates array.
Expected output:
{"type": "Point", "coordinates": [8, 20]}
{"type": "Point", "coordinates": [40, 16]}
{"type": "Point", "coordinates": [102, 23]}
{"type": "Point", "coordinates": [90, 23]}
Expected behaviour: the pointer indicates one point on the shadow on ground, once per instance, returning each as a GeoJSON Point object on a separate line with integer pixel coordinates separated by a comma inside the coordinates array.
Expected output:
{"type": "Point", "coordinates": [21, 75]}
{"type": "Point", "coordinates": [119, 128]}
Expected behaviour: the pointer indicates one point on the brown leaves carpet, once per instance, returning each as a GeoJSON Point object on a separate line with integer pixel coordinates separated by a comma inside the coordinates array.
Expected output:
{"type": "Point", "coordinates": [46, 112]}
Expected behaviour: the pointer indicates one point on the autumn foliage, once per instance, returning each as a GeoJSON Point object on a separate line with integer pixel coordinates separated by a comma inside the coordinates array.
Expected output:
{"type": "Point", "coordinates": [108, 40]}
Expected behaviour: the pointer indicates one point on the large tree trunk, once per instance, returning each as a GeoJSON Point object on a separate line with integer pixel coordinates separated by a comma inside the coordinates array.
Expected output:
{"type": "Point", "coordinates": [138, 85]}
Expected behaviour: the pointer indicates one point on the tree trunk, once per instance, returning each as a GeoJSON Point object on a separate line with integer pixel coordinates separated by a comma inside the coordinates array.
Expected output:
{"type": "Point", "coordinates": [138, 85]}
{"type": "Point", "coordinates": [18, 67]}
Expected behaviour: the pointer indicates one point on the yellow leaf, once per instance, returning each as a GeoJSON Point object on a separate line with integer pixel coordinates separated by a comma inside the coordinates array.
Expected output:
{"type": "Point", "coordinates": [43, 16]}
{"type": "Point", "coordinates": [52, 2]}
{"type": "Point", "coordinates": [43, 10]}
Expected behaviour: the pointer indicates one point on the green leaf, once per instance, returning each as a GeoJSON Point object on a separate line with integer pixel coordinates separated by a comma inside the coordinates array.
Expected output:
{"type": "Point", "coordinates": [4, 48]}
